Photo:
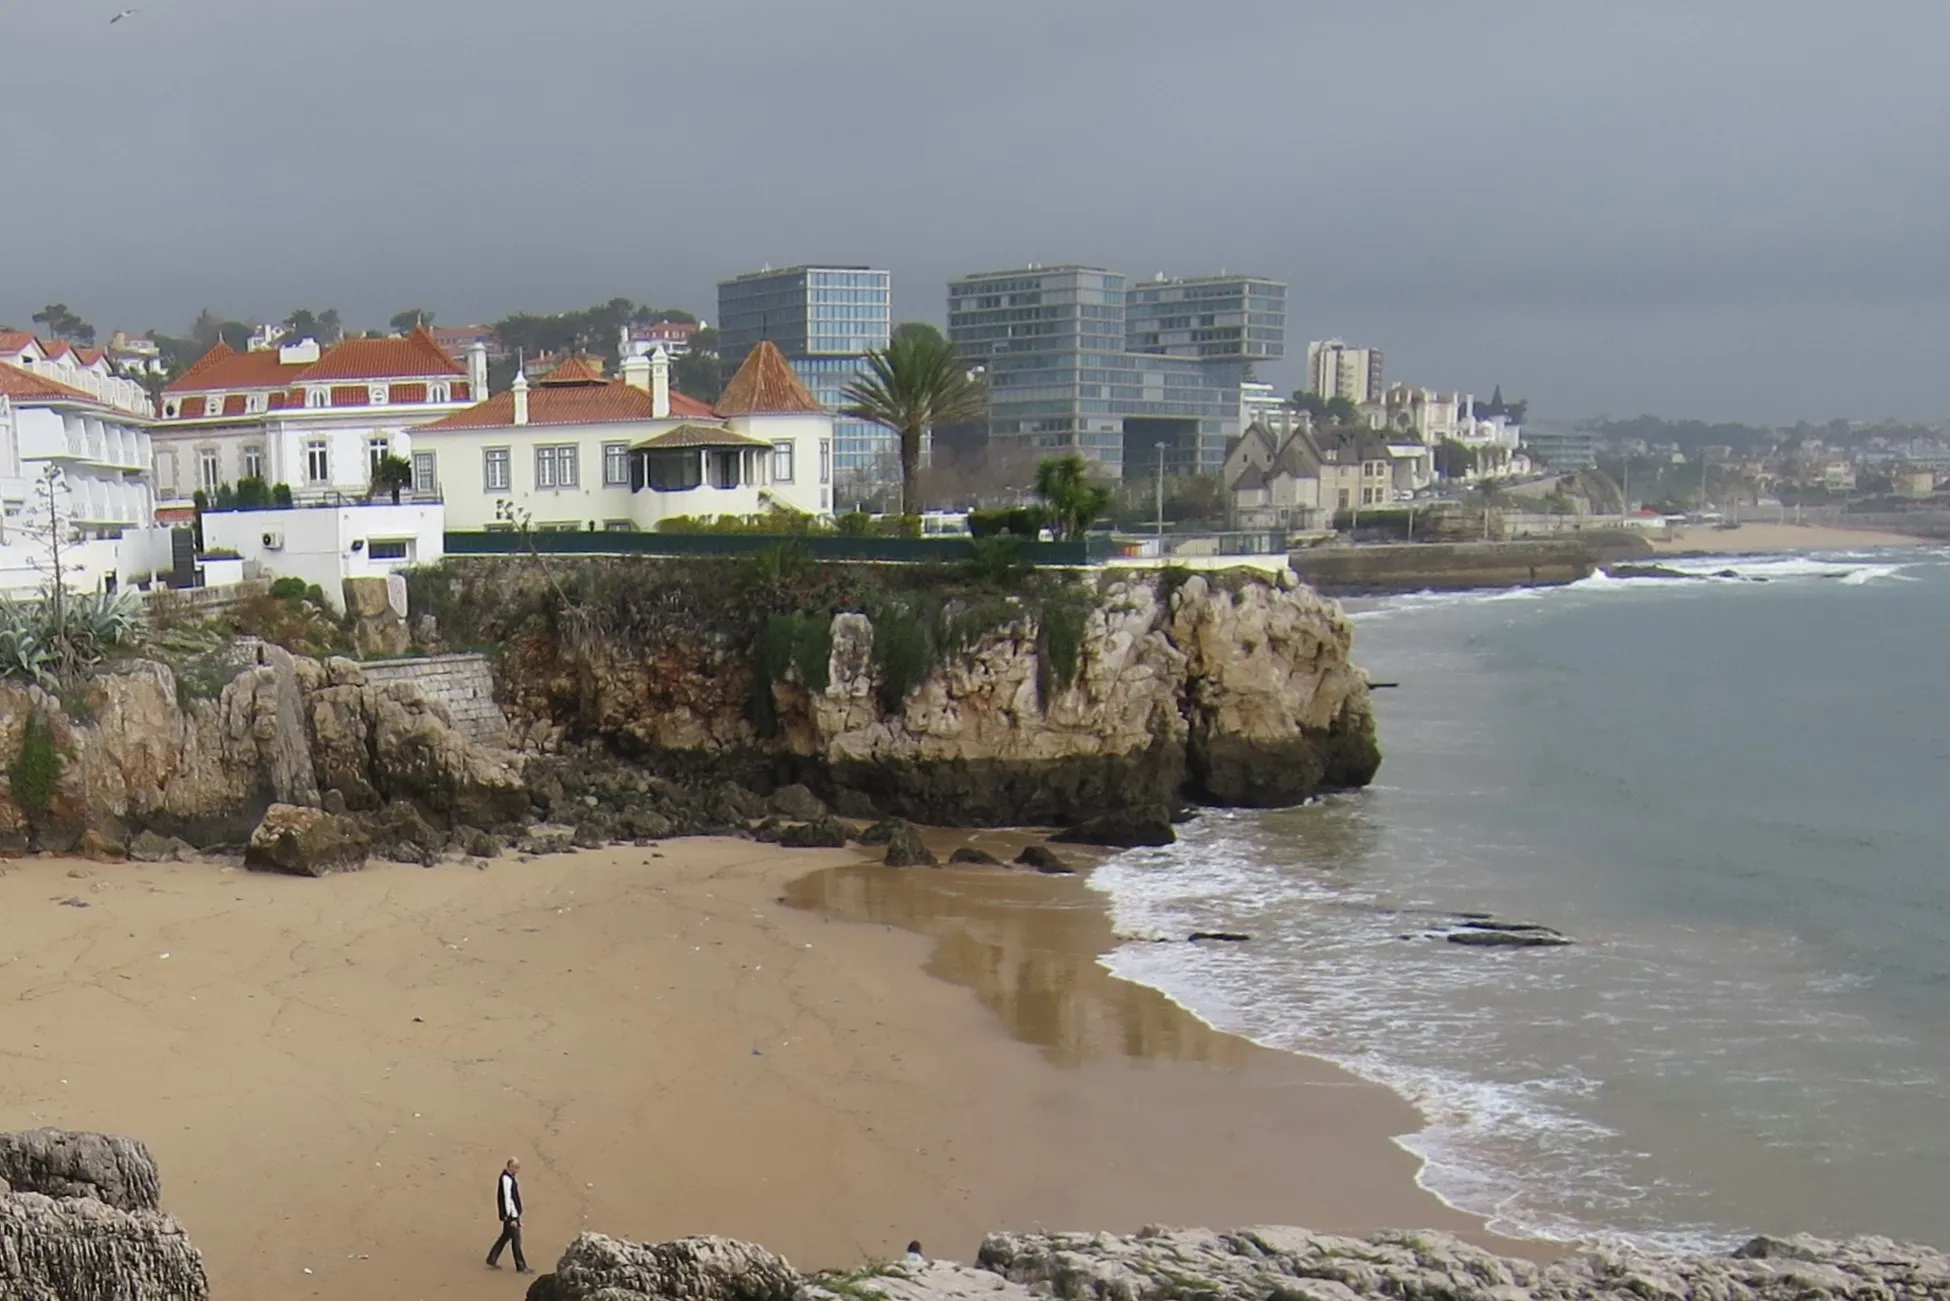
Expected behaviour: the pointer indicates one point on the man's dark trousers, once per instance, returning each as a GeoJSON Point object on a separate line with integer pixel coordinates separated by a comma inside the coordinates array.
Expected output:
{"type": "Point", "coordinates": [510, 1237]}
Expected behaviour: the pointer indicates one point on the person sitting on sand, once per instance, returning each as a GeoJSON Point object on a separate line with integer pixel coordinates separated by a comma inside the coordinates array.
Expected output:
{"type": "Point", "coordinates": [507, 1205]}
{"type": "Point", "coordinates": [914, 1256]}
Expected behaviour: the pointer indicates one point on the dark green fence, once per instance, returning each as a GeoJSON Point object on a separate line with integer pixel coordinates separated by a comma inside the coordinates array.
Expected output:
{"type": "Point", "coordinates": [823, 546]}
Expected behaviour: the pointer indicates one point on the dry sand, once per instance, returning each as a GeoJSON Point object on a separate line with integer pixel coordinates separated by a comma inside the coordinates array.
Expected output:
{"type": "Point", "coordinates": [1773, 539]}
{"type": "Point", "coordinates": [331, 1072]}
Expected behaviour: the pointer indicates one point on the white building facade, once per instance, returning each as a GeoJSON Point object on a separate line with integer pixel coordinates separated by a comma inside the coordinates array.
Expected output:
{"type": "Point", "coordinates": [315, 419]}
{"type": "Point", "coordinates": [573, 450]}
{"type": "Point", "coordinates": [60, 406]}
{"type": "Point", "coordinates": [1335, 370]}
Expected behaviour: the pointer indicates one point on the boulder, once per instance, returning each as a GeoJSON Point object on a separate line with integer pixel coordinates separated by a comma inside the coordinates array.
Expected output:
{"type": "Point", "coordinates": [108, 1168]}
{"type": "Point", "coordinates": [1044, 860]}
{"type": "Point", "coordinates": [1130, 829]}
{"type": "Point", "coordinates": [975, 857]}
{"type": "Point", "coordinates": [821, 834]}
{"type": "Point", "coordinates": [398, 833]}
{"type": "Point", "coordinates": [798, 803]}
{"type": "Point", "coordinates": [928, 1280]}
{"type": "Point", "coordinates": [83, 1250]}
{"type": "Point", "coordinates": [905, 848]}
{"type": "Point", "coordinates": [600, 1268]}
{"type": "Point", "coordinates": [306, 842]}
{"type": "Point", "coordinates": [377, 628]}
{"type": "Point", "coordinates": [148, 847]}
{"type": "Point", "coordinates": [880, 832]}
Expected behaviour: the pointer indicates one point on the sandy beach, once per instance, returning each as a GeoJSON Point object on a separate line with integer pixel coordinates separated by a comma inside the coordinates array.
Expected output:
{"type": "Point", "coordinates": [1773, 539]}
{"type": "Point", "coordinates": [675, 1040]}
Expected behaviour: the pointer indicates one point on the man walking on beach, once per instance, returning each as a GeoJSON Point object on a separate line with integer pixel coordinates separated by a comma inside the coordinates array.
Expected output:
{"type": "Point", "coordinates": [507, 1204]}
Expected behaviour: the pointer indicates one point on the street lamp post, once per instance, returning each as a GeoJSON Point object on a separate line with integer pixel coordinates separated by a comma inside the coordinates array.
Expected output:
{"type": "Point", "coordinates": [1161, 499]}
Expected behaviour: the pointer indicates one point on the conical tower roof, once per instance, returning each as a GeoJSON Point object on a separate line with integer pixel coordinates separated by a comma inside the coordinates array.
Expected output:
{"type": "Point", "coordinates": [765, 385]}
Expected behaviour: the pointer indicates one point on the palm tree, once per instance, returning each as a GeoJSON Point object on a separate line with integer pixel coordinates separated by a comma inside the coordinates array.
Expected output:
{"type": "Point", "coordinates": [1075, 503]}
{"type": "Point", "coordinates": [390, 473]}
{"type": "Point", "coordinates": [915, 383]}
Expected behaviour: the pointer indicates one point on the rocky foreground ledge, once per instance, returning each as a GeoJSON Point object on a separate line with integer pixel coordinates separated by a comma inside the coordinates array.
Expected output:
{"type": "Point", "coordinates": [1260, 1264]}
{"type": "Point", "coordinates": [81, 1220]}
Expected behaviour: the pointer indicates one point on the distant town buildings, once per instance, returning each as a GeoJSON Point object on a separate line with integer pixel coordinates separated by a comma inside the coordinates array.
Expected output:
{"type": "Point", "coordinates": [1078, 360]}
{"type": "Point", "coordinates": [674, 337]}
{"type": "Point", "coordinates": [1335, 370]}
{"type": "Point", "coordinates": [455, 340]}
{"type": "Point", "coordinates": [316, 419]}
{"type": "Point", "coordinates": [823, 320]}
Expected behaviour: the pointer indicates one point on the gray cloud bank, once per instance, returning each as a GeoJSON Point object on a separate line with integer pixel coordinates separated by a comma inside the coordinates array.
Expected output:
{"type": "Point", "coordinates": [1730, 210]}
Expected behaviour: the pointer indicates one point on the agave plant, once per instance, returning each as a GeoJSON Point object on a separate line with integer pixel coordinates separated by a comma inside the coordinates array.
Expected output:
{"type": "Point", "coordinates": [60, 632]}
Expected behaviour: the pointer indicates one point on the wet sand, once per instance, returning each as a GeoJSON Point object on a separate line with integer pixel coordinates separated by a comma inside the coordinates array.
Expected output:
{"type": "Point", "coordinates": [331, 1072]}
{"type": "Point", "coordinates": [1774, 539]}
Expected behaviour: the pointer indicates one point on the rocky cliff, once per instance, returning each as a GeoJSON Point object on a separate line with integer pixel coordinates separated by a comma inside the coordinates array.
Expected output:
{"type": "Point", "coordinates": [1121, 693]}
{"type": "Point", "coordinates": [81, 1220]}
{"type": "Point", "coordinates": [1263, 1264]}
{"type": "Point", "coordinates": [138, 754]}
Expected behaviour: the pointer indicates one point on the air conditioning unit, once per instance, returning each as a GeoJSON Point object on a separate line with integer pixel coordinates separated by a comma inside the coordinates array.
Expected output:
{"type": "Point", "coordinates": [273, 541]}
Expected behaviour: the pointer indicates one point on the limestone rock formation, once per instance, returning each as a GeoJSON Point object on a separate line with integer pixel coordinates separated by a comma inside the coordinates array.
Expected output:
{"type": "Point", "coordinates": [1184, 1264]}
{"type": "Point", "coordinates": [599, 1268]}
{"type": "Point", "coordinates": [141, 756]}
{"type": "Point", "coordinates": [1258, 1264]}
{"type": "Point", "coordinates": [108, 1168]}
{"type": "Point", "coordinates": [375, 606]}
{"type": "Point", "coordinates": [306, 842]}
{"type": "Point", "coordinates": [79, 1221]}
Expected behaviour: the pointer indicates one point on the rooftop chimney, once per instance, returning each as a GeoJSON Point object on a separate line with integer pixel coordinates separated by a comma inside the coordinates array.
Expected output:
{"type": "Point", "coordinates": [477, 384]}
{"type": "Point", "coordinates": [659, 383]}
{"type": "Point", "coordinates": [520, 390]}
{"type": "Point", "coordinates": [636, 371]}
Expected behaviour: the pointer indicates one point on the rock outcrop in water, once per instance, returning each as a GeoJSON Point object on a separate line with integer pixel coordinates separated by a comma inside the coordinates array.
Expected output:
{"type": "Point", "coordinates": [80, 1221]}
{"type": "Point", "coordinates": [1260, 1264]}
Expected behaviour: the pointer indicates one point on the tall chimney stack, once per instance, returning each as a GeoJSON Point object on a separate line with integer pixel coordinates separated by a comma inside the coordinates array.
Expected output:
{"type": "Point", "coordinates": [659, 383]}
{"type": "Point", "coordinates": [520, 389]}
{"type": "Point", "coordinates": [636, 371]}
{"type": "Point", "coordinates": [477, 384]}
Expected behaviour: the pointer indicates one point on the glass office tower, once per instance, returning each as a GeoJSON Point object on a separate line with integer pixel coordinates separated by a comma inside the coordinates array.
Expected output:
{"type": "Point", "coordinates": [825, 320]}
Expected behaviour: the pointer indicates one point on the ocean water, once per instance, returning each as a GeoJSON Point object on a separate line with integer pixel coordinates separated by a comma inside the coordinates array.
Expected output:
{"type": "Point", "coordinates": [1734, 793]}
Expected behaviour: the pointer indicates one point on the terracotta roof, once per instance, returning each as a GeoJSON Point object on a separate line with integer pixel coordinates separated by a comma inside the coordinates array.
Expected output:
{"type": "Point", "coordinates": [607, 402]}
{"type": "Point", "coordinates": [416, 356]}
{"type": "Point", "coordinates": [15, 340]}
{"type": "Point", "coordinates": [688, 435]}
{"type": "Point", "coordinates": [574, 370]}
{"type": "Point", "coordinates": [21, 384]}
{"type": "Point", "coordinates": [765, 384]}
{"type": "Point", "coordinates": [413, 357]}
{"type": "Point", "coordinates": [223, 367]}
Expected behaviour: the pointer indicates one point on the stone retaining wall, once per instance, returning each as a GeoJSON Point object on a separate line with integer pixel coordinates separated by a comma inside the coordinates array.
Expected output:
{"type": "Point", "coordinates": [463, 683]}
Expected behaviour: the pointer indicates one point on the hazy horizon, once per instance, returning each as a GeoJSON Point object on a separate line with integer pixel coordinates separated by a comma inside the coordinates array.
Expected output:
{"type": "Point", "coordinates": [1729, 214]}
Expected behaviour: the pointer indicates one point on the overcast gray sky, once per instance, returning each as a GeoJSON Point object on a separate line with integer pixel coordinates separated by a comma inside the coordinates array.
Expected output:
{"type": "Point", "coordinates": [1714, 208]}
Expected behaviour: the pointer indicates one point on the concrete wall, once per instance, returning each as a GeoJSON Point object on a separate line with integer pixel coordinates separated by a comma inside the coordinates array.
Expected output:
{"type": "Point", "coordinates": [463, 683]}
{"type": "Point", "coordinates": [1458, 566]}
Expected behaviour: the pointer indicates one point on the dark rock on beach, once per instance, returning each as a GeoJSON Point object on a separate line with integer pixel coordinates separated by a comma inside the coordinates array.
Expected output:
{"type": "Point", "coordinates": [972, 856]}
{"type": "Point", "coordinates": [1044, 860]}
{"type": "Point", "coordinates": [1223, 937]}
{"type": "Point", "coordinates": [905, 848]}
{"type": "Point", "coordinates": [1128, 830]}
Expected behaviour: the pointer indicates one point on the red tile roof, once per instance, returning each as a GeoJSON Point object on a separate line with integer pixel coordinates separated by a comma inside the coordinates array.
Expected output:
{"type": "Point", "coordinates": [416, 356]}
{"type": "Point", "coordinates": [765, 384]}
{"type": "Point", "coordinates": [601, 403]}
{"type": "Point", "coordinates": [15, 340]}
{"type": "Point", "coordinates": [574, 370]}
{"type": "Point", "coordinates": [20, 384]}
{"type": "Point", "coordinates": [223, 367]}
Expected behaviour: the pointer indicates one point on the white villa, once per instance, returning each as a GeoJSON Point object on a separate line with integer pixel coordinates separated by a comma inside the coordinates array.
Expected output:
{"type": "Point", "coordinates": [315, 419]}
{"type": "Point", "coordinates": [574, 450]}
{"type": "Point", "coordinates": [63, 406]}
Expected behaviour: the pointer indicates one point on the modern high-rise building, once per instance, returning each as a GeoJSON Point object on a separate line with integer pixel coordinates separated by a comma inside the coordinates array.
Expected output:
{"type": "Point", "coordinates": [1335, 370]}
{"type": "Point", "coordinates": [1213, 318]}
{"type": "Point", "coordinates": [1079, 361]}
{"type": "Point", "coordinates": [825, 320]}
